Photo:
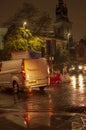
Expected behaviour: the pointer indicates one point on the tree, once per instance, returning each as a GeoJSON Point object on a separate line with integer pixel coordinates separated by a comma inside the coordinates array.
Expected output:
{"type": "Point", "coordinates": [16, 39]}
{"type": "Point", "coordinates": [36, 43]}
{"type": "Point", "coordinates": [37, 21]}
{"type": "Point", "coordinates": [20, 39]}
{"type": "Point", "coordinates": [42, 24]}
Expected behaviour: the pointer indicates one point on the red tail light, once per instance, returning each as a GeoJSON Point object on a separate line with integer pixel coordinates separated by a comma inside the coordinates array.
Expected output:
{"type": "Point", "coordinates": [26, 118]}
{"type": "Point", "coordinates": [23, 74]}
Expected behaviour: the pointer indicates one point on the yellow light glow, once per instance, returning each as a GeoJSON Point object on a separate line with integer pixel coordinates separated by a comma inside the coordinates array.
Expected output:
{"type": "Point", "coordinates": [73, 78]}
{"type": "Point", "coordinates": [24, 24]}
{"type": "Point", "coordinates": [81, 81]}
{"type": "Point", "coordinates": [30, 90]}
{"type": "Point", "coordinates": [80, 67]}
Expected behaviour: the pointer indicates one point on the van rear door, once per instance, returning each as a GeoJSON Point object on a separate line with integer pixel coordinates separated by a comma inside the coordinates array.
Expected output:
{"type": "Point", "coordinates": [36, 72]}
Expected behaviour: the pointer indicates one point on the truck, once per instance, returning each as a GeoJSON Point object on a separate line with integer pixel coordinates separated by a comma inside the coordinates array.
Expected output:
{"type": "Point", "coordinates": [20, 74]}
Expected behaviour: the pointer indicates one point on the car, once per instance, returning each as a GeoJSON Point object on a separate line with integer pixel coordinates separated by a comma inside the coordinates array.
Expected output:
{"type": "Point", "coordinates": [20, 74]}
{"type": "Point", "coordinates": [59, 78]}
{"type": "Point", "coordinates": [84, 69]}
{"type": "Point", "coordinates": [76, 69]}
{"type": "Point", "coordinates": [55, 78]}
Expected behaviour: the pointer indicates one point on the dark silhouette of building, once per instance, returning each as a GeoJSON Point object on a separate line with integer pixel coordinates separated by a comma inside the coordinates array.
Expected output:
{"type": "Point", "coordinates": [81, 51]}
{"type": "Point", "coordinates": [62, 25]}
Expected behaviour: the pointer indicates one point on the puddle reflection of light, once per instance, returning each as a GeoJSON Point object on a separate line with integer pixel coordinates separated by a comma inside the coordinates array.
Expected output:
{"type": "Point", "coordinates": [73, 78]}
{"type": "Point", "coordinates": [77, 81]}
{"type": "Point", "coordinates": [81, 81]}
{"type": "Point", "coordinates": [50, 105]}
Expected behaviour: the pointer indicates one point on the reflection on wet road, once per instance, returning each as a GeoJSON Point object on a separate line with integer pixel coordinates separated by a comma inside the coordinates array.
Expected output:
{"type": "Point", "coordinates": [46, 107]}
{"type": "Point", "coordinates": [79, 88]}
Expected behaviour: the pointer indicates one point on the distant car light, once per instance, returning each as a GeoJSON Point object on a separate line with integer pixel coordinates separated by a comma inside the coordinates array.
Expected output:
{"type": "Point", "coordinates": [80, 67]}
{"type": "Point", "coordinates": [72, 68]}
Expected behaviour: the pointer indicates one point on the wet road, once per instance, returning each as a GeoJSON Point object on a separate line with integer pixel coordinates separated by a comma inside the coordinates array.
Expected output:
{"type": "Point", "coordinates": [38, 107]}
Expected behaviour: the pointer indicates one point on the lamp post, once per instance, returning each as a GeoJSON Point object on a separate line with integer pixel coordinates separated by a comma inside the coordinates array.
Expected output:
{"type": "Point", "coordinates": [24, 24]}
{"type": "Point", "coordinates": [68, 40]}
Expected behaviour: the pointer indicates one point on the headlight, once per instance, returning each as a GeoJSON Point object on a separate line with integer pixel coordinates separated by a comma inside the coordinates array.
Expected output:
{"type": "Point", "coordinates": [80, 67]}
{"type": "Point", "coordinates": [73, 68]}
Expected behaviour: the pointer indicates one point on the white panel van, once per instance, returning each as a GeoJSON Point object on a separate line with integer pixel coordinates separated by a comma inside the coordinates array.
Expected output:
{"type": "Point", "coordinates": [24, 73]}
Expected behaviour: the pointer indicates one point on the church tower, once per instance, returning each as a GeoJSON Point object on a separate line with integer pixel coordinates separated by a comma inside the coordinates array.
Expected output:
{"type": "Point", "coordinates": [62, 26]}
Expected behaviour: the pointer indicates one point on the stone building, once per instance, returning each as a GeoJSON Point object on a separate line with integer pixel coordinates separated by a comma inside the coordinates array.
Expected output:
{"type": "Point", "coordinates": [61, 28]}
{"type": "Point", "coordinates": [80, 51]}
{"type": "Point", "coordinates": [62, 25]}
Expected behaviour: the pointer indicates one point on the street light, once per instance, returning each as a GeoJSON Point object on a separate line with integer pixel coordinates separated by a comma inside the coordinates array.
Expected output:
{"type": "Point", "coordinates": [24, 24]}
{"type": "Point", "coordinates": [68, 39]}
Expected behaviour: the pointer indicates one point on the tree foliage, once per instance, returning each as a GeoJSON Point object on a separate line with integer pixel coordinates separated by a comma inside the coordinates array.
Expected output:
{"type": "Point", "coordinates": [37, 21]}
{"type": "Point", "coordinates": [17, 37]}
{"type": "Point", "coordinates": [41, 24]}
{"type": "Point", "coordinates": [36, 44]}
{"type": "Point", "coordinates": [20, 39]}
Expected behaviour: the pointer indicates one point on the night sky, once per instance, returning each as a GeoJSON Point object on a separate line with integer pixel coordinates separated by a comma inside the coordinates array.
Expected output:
{"type": "Point", "coordinates": [76, 12]}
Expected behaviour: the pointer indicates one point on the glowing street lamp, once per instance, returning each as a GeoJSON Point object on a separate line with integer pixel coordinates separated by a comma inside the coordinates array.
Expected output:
{"type": "Point", "coordinates": [24, 24]}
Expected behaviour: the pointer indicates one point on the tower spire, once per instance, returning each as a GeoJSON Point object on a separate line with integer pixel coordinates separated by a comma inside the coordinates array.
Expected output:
{"type": "Point", "coordinates": [60, 2]}
{"type": "Point", "coordinates": [62, 25]}
{"type": "Point", "coordinates": [61, 11]}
